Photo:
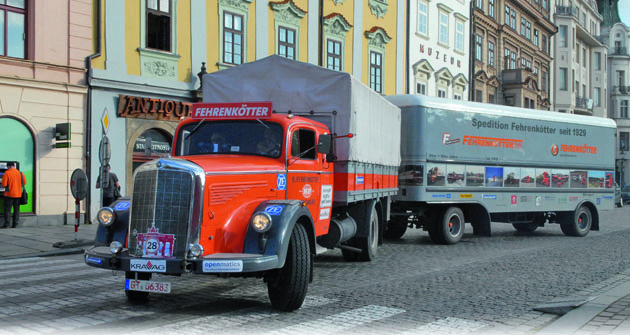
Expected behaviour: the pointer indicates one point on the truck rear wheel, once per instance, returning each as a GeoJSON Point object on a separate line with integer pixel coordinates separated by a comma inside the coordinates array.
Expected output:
{"type": "Point", "coordinates": [287, 286]}
{"type": "Point", "coordinates": [369, 244]}
{"type": "Point", "coordinates": [396, 228]}
{"type": "Point", "coordinates": [137, 296]}
{"type": "Point", "coordinates": [578, 224]}
{"type": "Point", "coordinates": [450, 229]}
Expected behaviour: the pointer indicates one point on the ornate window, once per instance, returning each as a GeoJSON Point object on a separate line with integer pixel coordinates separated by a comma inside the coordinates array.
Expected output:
{"type": "Point", "coordinates": [287, 18]}
{"type": "Point", "coordinates": [233, 18]}
{"type": "Point", "coordinates": [491, 53]}
{"type": "Point", "coordinates": [335, 29]}
{"type": "Point", "coordinates": [377, 39]}
{"type": "Point", "coordinates": [422, 73]}
{"type": "Point", "coordinates": [459, 36]}
{"type": "Point", "coordinates": [158, 42]}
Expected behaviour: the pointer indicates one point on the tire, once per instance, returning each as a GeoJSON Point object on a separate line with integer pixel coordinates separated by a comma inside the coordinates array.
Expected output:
{"type": "Point", "coordinates": [451, 227]}
{"type": "Point", "coordinates": [287, 286]}
{"type": "Point", "coordinates": [369, 244]}
{"type": "Point", "coordinates": [137, 297]}
{"type": "Point", "coordinates": [578, 224]}
{"type": "Point", "coordinates": [396, 228]}
{"type": "Point", "coordinates": [526, 227]}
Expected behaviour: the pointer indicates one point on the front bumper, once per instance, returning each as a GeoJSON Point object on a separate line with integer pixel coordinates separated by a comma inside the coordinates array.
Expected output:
{"type": "Point", "coordinates": [101, 257]}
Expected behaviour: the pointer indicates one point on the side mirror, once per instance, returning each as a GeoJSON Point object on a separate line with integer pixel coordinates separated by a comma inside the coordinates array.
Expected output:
{"type": "Point", "coordinates": [324, 144]}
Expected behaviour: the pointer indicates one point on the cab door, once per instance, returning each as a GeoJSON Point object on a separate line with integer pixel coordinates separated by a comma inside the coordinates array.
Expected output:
{"type": "Point", "coordinates": [304, 175]}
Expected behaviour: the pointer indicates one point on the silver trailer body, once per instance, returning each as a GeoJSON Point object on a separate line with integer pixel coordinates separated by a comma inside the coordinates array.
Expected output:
{"type": "Point", "coordinates": [505, 159]}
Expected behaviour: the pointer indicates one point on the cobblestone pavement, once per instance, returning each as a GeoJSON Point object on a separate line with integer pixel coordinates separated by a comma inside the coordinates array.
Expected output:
{"type": "Point", "coordinates": [479, 286]}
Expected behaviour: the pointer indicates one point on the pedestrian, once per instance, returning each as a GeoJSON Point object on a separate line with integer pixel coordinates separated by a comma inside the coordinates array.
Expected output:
{"type": "Point", "coordinates": [12, 181]}
{"type": "Point", "coordinates": [108, 192]}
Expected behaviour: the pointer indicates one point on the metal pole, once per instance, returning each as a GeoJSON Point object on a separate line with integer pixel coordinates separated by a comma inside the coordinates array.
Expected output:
{"type": "Point", "coordinates": [77, 218]}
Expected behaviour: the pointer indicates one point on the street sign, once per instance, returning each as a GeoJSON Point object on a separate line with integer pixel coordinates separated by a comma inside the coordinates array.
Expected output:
{"type": "Point", "coordinates": [79, 184]}
{"type": "Point", "coordinates": [104, 151]}
{"type": "Point", "coordinates": [105, 121]}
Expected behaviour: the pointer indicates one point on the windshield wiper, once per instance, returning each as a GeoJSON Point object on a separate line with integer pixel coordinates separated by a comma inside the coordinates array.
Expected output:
{"type": "Point", "coordinates": [194, 129]}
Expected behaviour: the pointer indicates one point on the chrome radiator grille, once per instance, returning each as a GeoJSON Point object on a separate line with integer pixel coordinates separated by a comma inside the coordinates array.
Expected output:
{"type": "Point", "coordinates": [162, 199]}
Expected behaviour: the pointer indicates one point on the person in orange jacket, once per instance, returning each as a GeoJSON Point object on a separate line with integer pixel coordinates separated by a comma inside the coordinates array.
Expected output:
{"type": "Point", "coordinates": [12, 181]}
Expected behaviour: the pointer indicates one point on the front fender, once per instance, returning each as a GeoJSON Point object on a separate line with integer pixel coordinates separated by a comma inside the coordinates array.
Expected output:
{"type": "Point", "coordinates": [276, 240]}
{"type": "Point", "coordinates": [118, 230]}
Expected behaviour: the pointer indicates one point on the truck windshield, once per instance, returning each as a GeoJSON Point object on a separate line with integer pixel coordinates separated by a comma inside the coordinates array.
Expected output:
{"type": "Point", "coordinates": [230, 137]}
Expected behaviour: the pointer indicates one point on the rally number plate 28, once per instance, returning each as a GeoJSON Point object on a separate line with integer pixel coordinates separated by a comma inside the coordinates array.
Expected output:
{"type": "Point", "coordinates": [147, 286]}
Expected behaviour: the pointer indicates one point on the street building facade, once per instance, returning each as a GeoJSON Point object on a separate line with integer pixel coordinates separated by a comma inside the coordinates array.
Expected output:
{"type": "Point", "coordinates": [512, 54]}
{"type": "Point", "coordinates": [43, 46]}
{"type": "Point", "coordinates": [580, 59]}
{"type": "Point", "coordinates": [439, 45]}
{"type": "Point", "coordinates": [144, 74]}
{"type": "Point", "coordinates": [616, 36]}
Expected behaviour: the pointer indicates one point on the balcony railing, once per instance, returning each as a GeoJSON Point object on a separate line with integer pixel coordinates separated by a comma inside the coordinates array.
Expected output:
{"type": "Point", "coordinates": [566, 10]}
{"type": "Point", "coordinates": [625, 90]}
{"type": "Point", "coordinates": [585, 103]}
{"type": "Point", "coordinates": [623, 51]}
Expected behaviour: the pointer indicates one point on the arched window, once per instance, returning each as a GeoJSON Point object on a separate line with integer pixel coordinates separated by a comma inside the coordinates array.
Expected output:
{"type": "Point", "coordinates": [21, 150]}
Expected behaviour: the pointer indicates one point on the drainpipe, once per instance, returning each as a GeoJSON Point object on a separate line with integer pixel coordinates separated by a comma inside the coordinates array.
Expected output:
{"type": "Point", "coordinates": [407, 70]}
{"type": "Point", "coordinates": [471, 62]}
{"type": "Point", "coordinates": [321, 33]}
{"type": "Point", "coordinates": [88, 127]}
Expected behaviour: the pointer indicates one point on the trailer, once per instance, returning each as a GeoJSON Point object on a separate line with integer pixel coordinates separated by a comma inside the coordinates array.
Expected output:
{"type": "Point", "coordinates": [481, 163]}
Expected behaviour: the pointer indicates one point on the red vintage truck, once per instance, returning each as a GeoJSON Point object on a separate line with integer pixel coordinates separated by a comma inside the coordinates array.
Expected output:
{"type": "Point", "coordinates": [280, 157]}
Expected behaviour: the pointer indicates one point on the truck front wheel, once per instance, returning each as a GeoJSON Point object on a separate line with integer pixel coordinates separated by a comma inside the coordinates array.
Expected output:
{"type": "Point", "coordinates": [578, 224]}
{"type": "Point", "coordinates": [137, 296]}
{"type": "Point", "coordinates": [450, 229]}
{"type": "Point", "coordinates": [287, 286]}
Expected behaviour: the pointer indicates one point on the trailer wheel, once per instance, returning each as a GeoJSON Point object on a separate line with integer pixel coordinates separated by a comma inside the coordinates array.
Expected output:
{"type": "Point", "coordinates": [287, 286]}
{"type": "Point", "coordinates": [451, 229]}
{"type": "Point", "coordinates": [137, 297]}
{"type": "Point", "coordinates": [578, 224]}
{"type": "Point", "coordinates": [396, 228]}
{"type": "Point", "coordinates": [525, 227]}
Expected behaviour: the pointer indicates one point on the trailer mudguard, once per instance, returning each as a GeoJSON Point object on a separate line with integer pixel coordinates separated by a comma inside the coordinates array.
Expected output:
{"type": "Point", "coordinates": [284, 215]}
{"type": "Point", "coordinates": [118, 230]}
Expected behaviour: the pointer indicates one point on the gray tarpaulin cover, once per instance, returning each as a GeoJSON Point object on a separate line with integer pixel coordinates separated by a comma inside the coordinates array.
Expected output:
{"type": "Point", "coordinates": [300, 88]}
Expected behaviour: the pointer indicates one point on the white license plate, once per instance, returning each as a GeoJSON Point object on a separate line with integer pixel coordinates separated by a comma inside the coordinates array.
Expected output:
{"type": "Point", "coordinates": [147, 286]}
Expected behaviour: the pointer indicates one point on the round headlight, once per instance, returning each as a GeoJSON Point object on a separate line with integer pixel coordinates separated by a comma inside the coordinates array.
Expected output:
{"type": "Point", "coordinates": [115, 247]}
{"type": "Point", "coordinates": [195, 250]}
{"type": "Point", "coordinates": [261, 222]}
{"type": "Point", "coordinates": [106, 216]}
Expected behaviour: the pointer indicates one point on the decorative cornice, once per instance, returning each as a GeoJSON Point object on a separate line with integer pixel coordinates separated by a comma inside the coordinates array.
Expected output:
{"type": "Point", "coordinates": [444, 73]}
{"type": "Point", "coordinates": [377, 37]}
{"type": "Point", "coordinates": [288, 5]}
{"type": "Point", "coordinates": [378, 8]}
{"type": "Point", "coordinates": [423, 66]}
{"type": "Point", "coordinates": [460, 79]}
{"type": "Point", "coordinates": [336, 24]}
{"type": "Point", "coordinates": [238, 4]}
